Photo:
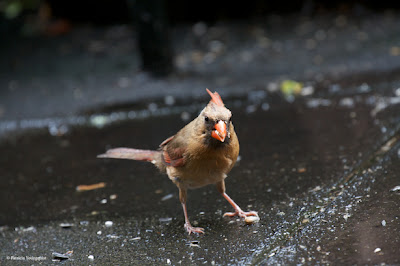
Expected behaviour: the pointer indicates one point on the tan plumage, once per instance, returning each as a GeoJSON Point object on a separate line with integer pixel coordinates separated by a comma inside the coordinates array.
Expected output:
{"type": "Point", "coordinates": [201, 153]}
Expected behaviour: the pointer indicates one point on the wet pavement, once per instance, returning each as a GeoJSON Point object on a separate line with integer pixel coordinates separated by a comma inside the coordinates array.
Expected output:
{"type": "Point", "coordinates": [321, 168]}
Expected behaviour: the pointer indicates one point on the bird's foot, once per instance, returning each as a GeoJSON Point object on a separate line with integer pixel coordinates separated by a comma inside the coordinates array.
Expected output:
{"type": "Point", "coordinates": [241, 213]}
{"type": "Point", "coordinates": [190, 229]}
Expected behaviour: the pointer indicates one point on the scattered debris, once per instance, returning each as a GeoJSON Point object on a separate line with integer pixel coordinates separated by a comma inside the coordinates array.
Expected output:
{"type": "Point", "coordinates": [304, 221]}
{"type": "Point", "coordinates": [302, 170]}
{"type": "Point", "coordinates": [383, 223]}
{"type": "Point", "coordinates": [252, 219]}
{"type": "Point", "coordinates": [91, 257]}
{"type": "Point", "coordinates": [165, 220]}
{"type": "Point", "coordinates": [167, 197]}
{"type": "Point", "coordinates": [108, 223]}
{"type": "Point", "coordinates": [66, 225]}
{"type": "Point", "coordinates": [317, 188]}
{"type": "Point", "coordinates": [27, 229]}
{"type": "Point", "coordinates": [135, 238]}
{"type": "Point", "coordinates": [112, 236]}
{"type": "Point", "coordinates": [61, 256]}
{"type": "Point", "coordinates": [90, 187]}
{"type": "Point", "coordinates": [113, 196]}
{"type": "Point", "coordinates": [377, 250]}
{"type": "Point", "coordinates": [103, 201]}
{"type": "Point", "coordinates": [193, 243]}
{"type": "Point", "coordinates": [93, 213]}
{"type": "Point", "coordinates": [395, 189]}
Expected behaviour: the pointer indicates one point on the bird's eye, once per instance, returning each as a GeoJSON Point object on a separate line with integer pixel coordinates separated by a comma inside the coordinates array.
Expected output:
{"type": "Point", "coordinates": [206, 118]}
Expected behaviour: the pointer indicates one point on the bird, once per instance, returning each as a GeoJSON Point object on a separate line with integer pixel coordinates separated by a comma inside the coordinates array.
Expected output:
{"type": "Point", "coordinates": [201, 153]}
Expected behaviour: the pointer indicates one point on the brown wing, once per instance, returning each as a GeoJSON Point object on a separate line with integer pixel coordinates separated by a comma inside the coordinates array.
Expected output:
{"type": "Point", "coordinates": [175, 160]}
{"type": "Point", "coordinates": [172, 155]}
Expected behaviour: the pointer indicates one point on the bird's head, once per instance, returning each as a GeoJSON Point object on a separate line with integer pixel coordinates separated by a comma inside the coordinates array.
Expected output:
{"type": "Point", "coordinates": [216, 120]}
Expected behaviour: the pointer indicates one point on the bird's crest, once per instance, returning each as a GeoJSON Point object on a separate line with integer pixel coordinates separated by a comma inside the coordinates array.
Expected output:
{"type": "Point", "coordinates": [215, 98]}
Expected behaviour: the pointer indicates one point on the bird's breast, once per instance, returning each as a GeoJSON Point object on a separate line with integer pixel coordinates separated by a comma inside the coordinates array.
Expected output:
{"type": "Point", "coordinates": [201, 170]}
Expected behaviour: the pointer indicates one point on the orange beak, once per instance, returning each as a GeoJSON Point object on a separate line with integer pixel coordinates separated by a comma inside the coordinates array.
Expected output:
{"type": "Point", "coordinates": [219, 132]}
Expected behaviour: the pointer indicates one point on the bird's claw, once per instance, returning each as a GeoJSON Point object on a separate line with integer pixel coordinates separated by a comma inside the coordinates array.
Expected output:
{"type": "Point", "coordinates": [190, 229]}
{"type": "Point", "coordinates": [241, 214]}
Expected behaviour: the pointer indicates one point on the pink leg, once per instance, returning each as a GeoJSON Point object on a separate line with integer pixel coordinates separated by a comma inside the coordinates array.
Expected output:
{"type": "Point", "coordinates": [238, 210]}
{"type": "Point", "coordinates": [189, 228]}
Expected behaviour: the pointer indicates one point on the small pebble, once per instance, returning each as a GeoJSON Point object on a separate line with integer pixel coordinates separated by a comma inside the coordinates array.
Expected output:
{"type": "Point", "coordinates": [84, 222]}
{"type": "Point", "coordinates": [113, 196]}
{"type": "Point", "coordinates": [396, 188]}
{"type": "Point", "coordinates": [167, 197]}
{"type": "Point", "coordinates": [57, 255]}
{"type": "Point", "coordinates": [194, 244]}
{"type": "Point", "coordinates": [108, 223]}
{"type": "Point", "coordinates": [252, 219]}
{"type": "Point", "coordinates": [66, 225]}
{"type": "Point", "coordinates": [103, 201]}
{"type": "Point", "coordinates": [91, 257]}
{"type": "Point", "coordinates": [377, 250]}
{"type": "Point", "coordinates": [383, 223]}
{"type": "Point", "coordinates": [98, 232]}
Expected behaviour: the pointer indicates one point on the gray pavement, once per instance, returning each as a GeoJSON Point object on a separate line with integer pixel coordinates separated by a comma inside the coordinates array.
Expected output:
{"type": "Point", "coordinates": [320, 167]}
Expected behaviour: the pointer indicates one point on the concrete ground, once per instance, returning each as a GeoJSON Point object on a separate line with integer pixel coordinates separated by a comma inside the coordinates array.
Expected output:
{"type": "Point", "coordinates": [320, 165]}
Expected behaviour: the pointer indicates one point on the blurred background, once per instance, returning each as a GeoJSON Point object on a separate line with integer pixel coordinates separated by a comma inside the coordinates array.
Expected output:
{"type": "Point", "coordinates": [68, 57]}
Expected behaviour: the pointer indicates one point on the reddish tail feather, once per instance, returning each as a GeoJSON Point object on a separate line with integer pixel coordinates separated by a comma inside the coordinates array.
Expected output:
{"type": "Point", "coordinates": [130, 154]}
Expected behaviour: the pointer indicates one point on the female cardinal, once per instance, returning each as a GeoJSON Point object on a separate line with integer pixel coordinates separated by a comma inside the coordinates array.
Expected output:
{"type": "Point", "coordinates": [201, 153]}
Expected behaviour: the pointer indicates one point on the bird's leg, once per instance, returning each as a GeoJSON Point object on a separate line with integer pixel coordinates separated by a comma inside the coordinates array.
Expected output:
{"type": "Point", "coordinates": [238, 210]}
{"type": "Point", "coordinates": [189, 228]}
